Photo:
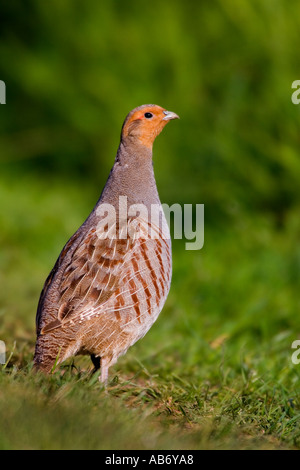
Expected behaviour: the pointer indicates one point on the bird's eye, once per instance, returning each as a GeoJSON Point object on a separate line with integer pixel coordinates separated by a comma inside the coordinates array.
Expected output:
{"type": "Point", "coordinates": [148, 115]}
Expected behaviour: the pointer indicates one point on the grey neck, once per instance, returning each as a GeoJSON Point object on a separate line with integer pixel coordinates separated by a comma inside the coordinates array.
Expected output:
{"type": "Point", "coordinates": [132, 175]}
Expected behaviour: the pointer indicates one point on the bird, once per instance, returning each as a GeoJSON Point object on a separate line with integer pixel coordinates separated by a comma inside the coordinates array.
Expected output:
{"type": "Point", "coordinates": [112, 278]}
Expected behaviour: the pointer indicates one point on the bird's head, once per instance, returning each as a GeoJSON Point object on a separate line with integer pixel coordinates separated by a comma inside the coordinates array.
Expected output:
{"type": "Point", "coordinates": [145, 123]}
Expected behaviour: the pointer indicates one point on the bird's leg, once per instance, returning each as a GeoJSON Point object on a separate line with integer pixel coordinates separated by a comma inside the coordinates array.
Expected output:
{"type": "Point", "coordinates": [96, 362]}
{"type": "Point", "coordinates": [104, 371]}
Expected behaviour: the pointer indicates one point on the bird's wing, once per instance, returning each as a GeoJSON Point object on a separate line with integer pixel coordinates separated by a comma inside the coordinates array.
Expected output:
{"type": "Point", "coordinates": [92, 276]}
{"type": "Point", "coordinates": [51, 276]}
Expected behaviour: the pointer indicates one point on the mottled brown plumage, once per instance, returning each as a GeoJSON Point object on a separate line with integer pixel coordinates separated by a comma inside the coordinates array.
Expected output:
{"type": "Point", "coordinates": [111, 279]}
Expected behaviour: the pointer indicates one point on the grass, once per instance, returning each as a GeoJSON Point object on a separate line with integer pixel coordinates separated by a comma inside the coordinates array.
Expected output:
{"type": "Point", "coordinates": [214, 372]}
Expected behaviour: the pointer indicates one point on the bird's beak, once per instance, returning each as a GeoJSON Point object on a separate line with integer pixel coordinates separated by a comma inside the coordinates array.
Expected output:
{"type": "Point", "coordinates": [169, 115]}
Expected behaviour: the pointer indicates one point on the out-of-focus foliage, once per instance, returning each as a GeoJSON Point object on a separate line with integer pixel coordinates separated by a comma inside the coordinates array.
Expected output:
{"type": "Point", "coordinates": [74, 69]}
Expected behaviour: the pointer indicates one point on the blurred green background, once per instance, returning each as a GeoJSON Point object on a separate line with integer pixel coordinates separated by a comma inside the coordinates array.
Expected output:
{"type": "Point", "coordinates": [73, 70]}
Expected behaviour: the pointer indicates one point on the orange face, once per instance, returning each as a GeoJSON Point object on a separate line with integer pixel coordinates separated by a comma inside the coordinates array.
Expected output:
{"type": "Point", "coordinates": [146, 122]}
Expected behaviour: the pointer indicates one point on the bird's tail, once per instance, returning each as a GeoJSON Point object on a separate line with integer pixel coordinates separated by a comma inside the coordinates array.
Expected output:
{"type": "Point", "coordinates": [46, 356]}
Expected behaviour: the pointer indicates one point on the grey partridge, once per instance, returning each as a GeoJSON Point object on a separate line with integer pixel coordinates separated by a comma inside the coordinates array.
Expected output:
{"type": "Point", "coordinates": [113, 276]}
